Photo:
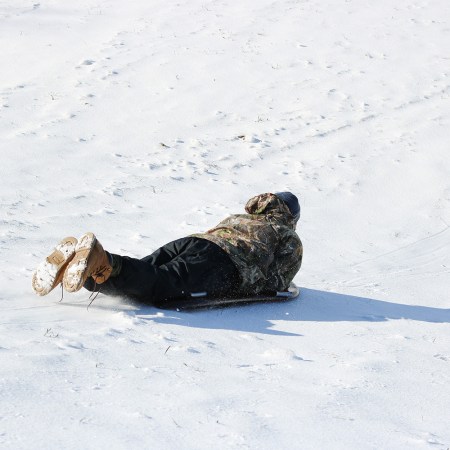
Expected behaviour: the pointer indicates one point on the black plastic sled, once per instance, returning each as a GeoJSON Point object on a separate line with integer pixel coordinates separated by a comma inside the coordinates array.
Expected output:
{"type": "Point", "coordinates": [200, 300]}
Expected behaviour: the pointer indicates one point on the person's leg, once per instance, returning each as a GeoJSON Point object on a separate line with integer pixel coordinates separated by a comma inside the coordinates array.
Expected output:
{"type": "Point", "coordinates": [167, 252]}
{"type": "Point", "coordinates": [196, 265]}
{"type": "Point", "coordinates": [201, 266]}
{"type": "Point", "coordinates": [209, 268]}
{"type": "Point", "coordinates": [137, 279]}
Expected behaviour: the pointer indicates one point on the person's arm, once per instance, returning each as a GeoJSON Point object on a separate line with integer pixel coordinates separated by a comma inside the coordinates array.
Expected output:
{"type": "Point", "coordinates": [286, 263]}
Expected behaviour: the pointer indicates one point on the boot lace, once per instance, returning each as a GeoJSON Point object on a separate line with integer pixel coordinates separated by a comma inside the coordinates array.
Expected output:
{"type": "Point", "coordinates": [94, 294]}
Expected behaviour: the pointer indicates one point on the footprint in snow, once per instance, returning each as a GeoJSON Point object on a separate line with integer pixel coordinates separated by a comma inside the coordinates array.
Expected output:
{"type": "Point", "coordinates": [280, 355]}
{"type": "Point", "coordinates": [71, 345]}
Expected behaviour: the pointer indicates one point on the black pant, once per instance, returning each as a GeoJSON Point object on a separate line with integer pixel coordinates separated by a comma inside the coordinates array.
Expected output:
{"type": "Point", "coordinates": [174, 271]}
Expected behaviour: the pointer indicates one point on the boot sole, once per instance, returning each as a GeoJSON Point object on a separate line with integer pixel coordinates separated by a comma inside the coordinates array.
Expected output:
{"type": "Point", "coordinates": [76, 272]}
{"type": "Point", "coordinates": [50, 272]}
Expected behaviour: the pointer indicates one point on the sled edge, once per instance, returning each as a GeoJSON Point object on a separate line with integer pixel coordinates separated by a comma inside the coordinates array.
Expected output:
{"type": "Point", "coordinates": [202, 301]}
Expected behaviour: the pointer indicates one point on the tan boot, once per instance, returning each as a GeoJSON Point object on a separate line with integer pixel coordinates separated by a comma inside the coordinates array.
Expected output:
{"type": "Point", "coordinates": [50, 272]}
{"type": "Point", "coordinates": [90, 260]}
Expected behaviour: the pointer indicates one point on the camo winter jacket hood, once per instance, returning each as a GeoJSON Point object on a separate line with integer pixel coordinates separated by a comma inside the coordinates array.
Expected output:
{"type": "Point", "coordinates": [262, 244]}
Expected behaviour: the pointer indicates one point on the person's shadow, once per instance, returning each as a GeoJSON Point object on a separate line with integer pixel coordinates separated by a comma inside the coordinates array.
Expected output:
{"type": "Point", "coordinates": [312, 305]}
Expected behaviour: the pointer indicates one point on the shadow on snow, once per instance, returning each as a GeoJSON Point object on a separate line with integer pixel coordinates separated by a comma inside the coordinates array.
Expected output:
{"type": "Point", "coordinates": [312, 305]}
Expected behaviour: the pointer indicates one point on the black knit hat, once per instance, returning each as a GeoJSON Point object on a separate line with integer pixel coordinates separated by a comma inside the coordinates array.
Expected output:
{"type": "Point", "coordinates": [292, 203]}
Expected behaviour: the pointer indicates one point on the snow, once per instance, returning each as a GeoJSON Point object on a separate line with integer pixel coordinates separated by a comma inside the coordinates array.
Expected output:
{"type": "Point", "coordinates": [146, 121]}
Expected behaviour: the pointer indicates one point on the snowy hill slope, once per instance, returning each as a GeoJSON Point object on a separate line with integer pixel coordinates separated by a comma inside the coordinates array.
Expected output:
{"type": "Point", "coordinates": [150, 120]}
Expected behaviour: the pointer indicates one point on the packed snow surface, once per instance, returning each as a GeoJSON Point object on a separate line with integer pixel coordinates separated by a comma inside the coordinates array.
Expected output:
{"type": "Point", "coordinates": [149, 120]}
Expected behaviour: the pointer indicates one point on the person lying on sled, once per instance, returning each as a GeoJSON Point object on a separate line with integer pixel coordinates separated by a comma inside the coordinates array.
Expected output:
{"type": "Point", "coordinates": [245, 254]}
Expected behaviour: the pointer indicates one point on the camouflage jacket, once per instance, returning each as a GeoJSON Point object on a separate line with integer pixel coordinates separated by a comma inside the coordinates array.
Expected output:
{"type": "Point", "coordinates": [262, 244]}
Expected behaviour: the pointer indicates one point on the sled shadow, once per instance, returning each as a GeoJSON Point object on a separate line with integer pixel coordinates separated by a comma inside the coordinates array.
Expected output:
{"type": "Point", "coordinates": [312, 306]}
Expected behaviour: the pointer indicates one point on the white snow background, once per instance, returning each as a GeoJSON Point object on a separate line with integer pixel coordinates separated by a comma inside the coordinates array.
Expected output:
{"type": "Point", "coordinates": [149, 120]}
